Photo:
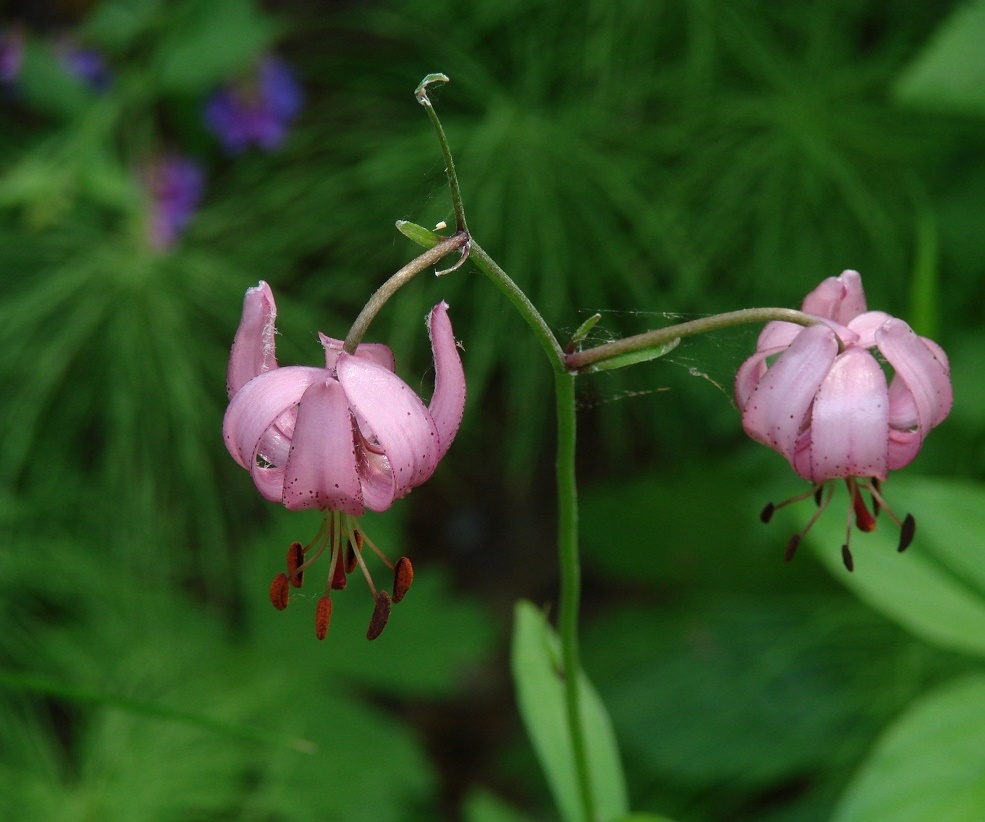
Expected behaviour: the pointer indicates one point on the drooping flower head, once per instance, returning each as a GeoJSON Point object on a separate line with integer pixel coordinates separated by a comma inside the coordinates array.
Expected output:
{"type": "Point", "coordinates": [174, 186]}
{"type": "Point", "coordinates": [257, 109]}
{"type": "Point", "coordinates": [820, 396]}
{"type": "Point", "coordinates": [340, 438]}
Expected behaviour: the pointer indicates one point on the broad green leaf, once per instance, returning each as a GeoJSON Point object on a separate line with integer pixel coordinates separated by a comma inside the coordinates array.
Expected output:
{"type": "Point", "coordinates": [930, 765]}
{"type": "Point", "coordinates": [705, 690]}
{"type": "Point", "coordinates": [936, 589]}
{"type": "Point", "coordinates": [483, 806]}
{"type": "Point", "coordinates": [536, 663]}
{"type": "Point", "coordinates": [949, 73]}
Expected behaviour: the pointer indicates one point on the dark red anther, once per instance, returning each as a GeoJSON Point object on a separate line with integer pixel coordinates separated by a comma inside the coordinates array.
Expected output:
{"type": "Point", "coordinates": [323, 616]}
{"type": "Point", "coordinates": [817, 495]}
{"type": "Point", "coordinates": [403, 577]}
{"type": "Point", "coordinates": [846, 557]}
{"type": "Point", "coordinates": [295, 559]}
{"type": "Point", "coordinates": [792, 547]}
{"type": "Point", "coordinates": [279, 591]}
{"type": "Point", "coordinates": [907, 530]}
{"type": "Point", "coordinates": [381, 613]}
{"type": "Point", "coordinates": [338, 575]}
{"type": "Point", "coordinates": [350, 557]}
{"type": "Point", "coordinates": [864, 521]}
{"type": "Point", "coordinates": [767, 513]}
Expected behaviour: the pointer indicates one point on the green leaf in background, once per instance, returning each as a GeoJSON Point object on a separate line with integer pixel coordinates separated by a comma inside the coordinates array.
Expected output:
{"type": "Point", "coordinates": [937, 588]}
{"type": "Point", "coordinates": [536, 662]}
{"type": "Point", "coordinates": [116, 24]}
{"type": "Point", "coordinates": [48, 86]}
{"type": "Point", "coordinates": [210, 41]}
{"type": "Point", "coordinates": [949, 74]}
{"type": "Point", "coordinates": [930, 765]}
{"type": "Point", "coordinates": [643, 817]}
{"type": "Point", "coordinates": [483, 806]}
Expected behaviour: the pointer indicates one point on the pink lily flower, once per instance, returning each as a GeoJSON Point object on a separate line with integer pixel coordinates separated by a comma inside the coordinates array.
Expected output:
{"type": "Point", "coordinates": [821, 398]}
{"type": "Point", "coordinates": [343, 438]}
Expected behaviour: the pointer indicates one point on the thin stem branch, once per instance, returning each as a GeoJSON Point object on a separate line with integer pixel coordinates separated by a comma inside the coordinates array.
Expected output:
{"type": "Point", "coordinates": [583, 360]}
{"type": "Point", "coordinates": [456, 194]}
{"type": "Point", "coordinates": [488, 266]}
{"type": "Point", "coordinates": [570, 593]}
{"type": "Point", "coordinates": [401, 278]}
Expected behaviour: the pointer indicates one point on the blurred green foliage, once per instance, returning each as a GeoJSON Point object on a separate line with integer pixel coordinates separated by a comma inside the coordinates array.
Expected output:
{"type": "Point", "coordinates": [635, 158]}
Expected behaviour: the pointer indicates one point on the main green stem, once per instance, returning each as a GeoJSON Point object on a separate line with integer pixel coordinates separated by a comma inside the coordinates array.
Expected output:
{"type": "Point", "coordinates": [565, 370]}
{"type": "Point", "coordinates": [570, 594]}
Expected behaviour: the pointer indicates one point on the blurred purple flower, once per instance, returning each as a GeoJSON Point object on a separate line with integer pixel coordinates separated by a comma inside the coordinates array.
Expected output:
{"type": "Point", "coordinates": [175, 185]}
{"type": "Point", "coordinates": [256, 109]}
{"type": "Point", "coordinates": [86, 64]}
{"type": "Point", "coordinates": [11, 55]}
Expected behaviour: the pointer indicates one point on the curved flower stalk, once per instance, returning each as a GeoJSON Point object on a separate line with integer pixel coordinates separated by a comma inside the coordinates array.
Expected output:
{"type": "Point", "coordinates": [343, 438]}
{"type": "Point", "coordinates": [820, 397]}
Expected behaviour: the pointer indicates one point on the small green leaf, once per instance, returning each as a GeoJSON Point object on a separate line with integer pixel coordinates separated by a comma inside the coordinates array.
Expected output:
{"type": "Point", "coordinates": [949, 74]}
{"type": "Point", "coordinates": [930, 765]}
{"type": "Point", "coordinates": [536, 664]}
{"type": "Point", "coordinates": [937, 588]}
{"type": "Point", "coordinates": [583, 330]}
{"type": "Point", "coordinates": [418, 234]}
{"type": "Point", "coordinates": [634, 357]}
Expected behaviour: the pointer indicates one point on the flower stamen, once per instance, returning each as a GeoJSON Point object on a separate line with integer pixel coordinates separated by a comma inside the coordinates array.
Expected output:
{"type": "Point", "coordinates": [381, 613]}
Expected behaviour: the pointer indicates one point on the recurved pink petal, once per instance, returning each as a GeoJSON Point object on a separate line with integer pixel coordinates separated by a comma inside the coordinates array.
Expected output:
{"type": "Point", "coordinates": [776, 412]}
{"type": "Point", "coordinates": [374, 352]}
{"type": "Point", "coordinates": [254, 350]}
{"type": "Point", "coordinates": [260, 404]}
{"type": "Point", "coordinates": [903, 447]}
{"type": "Point", "coordinates": [752, 371]}
{"type": "Point", "coordinates": [321, 468]}
{"type": "Point", "coordinates": [865, 325]}
{"type": "Point", "coordinates": [777, 335]}
{"type": "Point", "coordinates": [395, 417]}
{"type": "Point", "coordinates": [902, 407]}
{"type": "Point", "coordinates": [448, 401]}
{"type": "Point", "coordinates": [838, 298]}
{"type": "Point", "coordinates": [917, 365]}
{"type": "Point", "coordinates": [849, 430]}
